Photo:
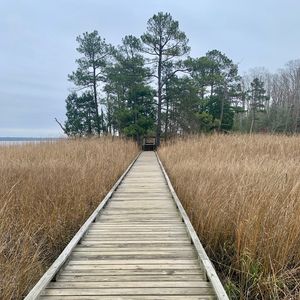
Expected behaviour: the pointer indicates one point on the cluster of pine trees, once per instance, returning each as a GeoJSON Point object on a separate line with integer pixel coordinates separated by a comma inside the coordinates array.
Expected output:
{"type": "Point", "coordinates": [150, 86]}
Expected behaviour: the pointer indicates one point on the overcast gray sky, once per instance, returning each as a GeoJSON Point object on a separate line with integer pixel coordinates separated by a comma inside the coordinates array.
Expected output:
{"type": "Point", "coordinates": [38, 47]}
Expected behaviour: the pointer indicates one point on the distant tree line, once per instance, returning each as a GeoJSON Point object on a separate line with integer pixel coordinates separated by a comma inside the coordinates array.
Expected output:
{"type": "Point", "coordinates": [149, 85]}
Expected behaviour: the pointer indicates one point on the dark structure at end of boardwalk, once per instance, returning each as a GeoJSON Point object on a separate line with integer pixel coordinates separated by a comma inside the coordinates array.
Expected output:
{"type": "Point", "coordinates": [149, 144]}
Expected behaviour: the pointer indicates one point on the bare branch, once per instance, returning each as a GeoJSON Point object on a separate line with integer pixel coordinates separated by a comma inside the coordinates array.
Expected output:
{"type": "Point", "coordinates": [61, 126]}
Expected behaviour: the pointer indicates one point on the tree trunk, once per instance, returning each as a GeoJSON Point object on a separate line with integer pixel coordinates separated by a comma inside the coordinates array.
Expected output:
{"type": "Point", "coordinates": [221, 113]}
{"type": "Point", "coordinates": [89, 121]}
{"type": "Point", "coordinates": [167, 119]}
{"type": "Point", "coordinates": [296, 120]}
{"type": "Point", "coordinates": [61, 126]}
{"type": "Point", "coordinates": [96, 101]}
{"type": "Point", "coordinates": [287, 118]}
{"type": "Point", "coordinates": [252, 121]}
{"type": "Point", "coordinates": [159, 96]}
{"type": "Point", "coordinates": [297, 108]}
{"type": "Point", "coordinates": [211, 89]}
{"type": "Point", "coordinates": [223, 99]}
{"type": "Point", "coordinates": [109, 125]}
{"type": "Point", "coordinates": [202, 92]}
{"type": "Point", "coordinates": [102, 122]}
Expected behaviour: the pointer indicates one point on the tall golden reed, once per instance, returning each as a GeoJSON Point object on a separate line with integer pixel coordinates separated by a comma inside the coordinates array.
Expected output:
{"type": "Point", "coordinates": [242, 194]}
{"type": "Point", "coordinates": [47, 191]}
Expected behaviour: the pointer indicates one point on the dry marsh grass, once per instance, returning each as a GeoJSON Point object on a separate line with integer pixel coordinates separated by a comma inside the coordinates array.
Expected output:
{"type": "Point", "coordinates": [47, 191]}
{"type": "Point", "coordinates": [242, 194]}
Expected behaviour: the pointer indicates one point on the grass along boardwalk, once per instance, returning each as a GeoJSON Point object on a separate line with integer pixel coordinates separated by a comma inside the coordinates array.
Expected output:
{"type": "Point", "coordinates": [138, 244]}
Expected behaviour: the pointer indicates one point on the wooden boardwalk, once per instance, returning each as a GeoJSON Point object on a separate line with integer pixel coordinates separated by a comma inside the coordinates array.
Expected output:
{"type": "Point", "coordinates": [138, 247]}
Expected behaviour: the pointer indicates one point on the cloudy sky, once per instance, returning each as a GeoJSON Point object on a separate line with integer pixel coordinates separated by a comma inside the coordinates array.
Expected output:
{"type": "Point", "coordinates": [38, 47]}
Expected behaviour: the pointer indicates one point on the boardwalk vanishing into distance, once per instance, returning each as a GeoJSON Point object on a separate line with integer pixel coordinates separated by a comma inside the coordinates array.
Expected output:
{"type": "Point", "coordinates": [138, 244]}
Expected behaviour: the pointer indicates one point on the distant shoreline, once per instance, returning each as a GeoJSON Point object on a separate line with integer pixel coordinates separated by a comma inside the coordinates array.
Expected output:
{"type": "Point", "coordinates": [28, 139]}
{"type": "Point", "coordinates": [7, 141]}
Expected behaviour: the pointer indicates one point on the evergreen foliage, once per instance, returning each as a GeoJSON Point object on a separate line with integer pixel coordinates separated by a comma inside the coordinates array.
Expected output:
{"type": "Point", "coordinates": [147, 86]}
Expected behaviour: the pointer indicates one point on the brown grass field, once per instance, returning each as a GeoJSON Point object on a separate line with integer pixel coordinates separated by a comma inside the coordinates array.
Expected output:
{"type": "Point", "coordinates": [47, 191]}
{"type": "Point", "coordinates": [242, 194]}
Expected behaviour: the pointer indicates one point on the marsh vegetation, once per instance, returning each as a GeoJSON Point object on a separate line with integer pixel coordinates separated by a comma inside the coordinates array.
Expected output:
{"type": "Point", "coordinates": [242, 194]}
{"type": "Point", "coordinates": [47, 191]}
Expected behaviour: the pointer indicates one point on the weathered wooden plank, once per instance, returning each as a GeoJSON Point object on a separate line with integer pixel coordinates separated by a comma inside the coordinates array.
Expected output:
{"type": "Point", "coordinates": [131, 185]}
{"type": "Point", "coordinates": [144, 230]}
{"type": "Point", "coordinates": [141, 225]}
{"type": "Point", "coordinates": [135, 255]}
{"type": "Point", "coordinates": [140, 213]}
{"type": "Point", "coordinates": [125, 278]}
{"type": "Point", "coordinates": [131, 247]}
{"type": "Point", "coordinates": [131, 297]}
{"type": "Point", "coordinates": [153, 242]}
{"type": "Point", "coordinates": [139, 233]}
{"type": "Point", "coordinates": [132, 267]}
{"type": "Point", "coordinates": [128, 189]}
{"type": "Point", "coordinates": [137, 237]}
{"type": "Point", "coordinates": [120, 251]}
{"type": "Point", "coordinates": [134, 238]}
{"type": "Point", "coordinates": [135, 262]}
{"type": "Point", "coordinates": [145, 193]}
{"type": "Point", "coordinates": [128, 284]}
{"type": "Point", "coordinates": [138, 204]}
{"type": "Point", "coordinates": [130, 291]}
{"type": "Point", "coordinates": [139, 222]}
{"type": "Point", "coordinates": [154, 201]}
{"type": "Point", "coordinates": [135, 272]}
{"type": "Point", "coordinates": [138, 217]}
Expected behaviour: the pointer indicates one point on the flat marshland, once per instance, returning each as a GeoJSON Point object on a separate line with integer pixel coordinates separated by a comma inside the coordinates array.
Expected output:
{"type": "Point", "coordinates": [47, 191]}
{"type": "Point", "coordinates": [242, 194]}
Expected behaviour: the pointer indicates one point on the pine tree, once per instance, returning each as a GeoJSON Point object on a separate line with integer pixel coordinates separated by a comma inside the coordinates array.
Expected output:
{"type": "Point", "coordinates": [257, 97]}
{"type": "Point", "coordinates": [81, 115]}
{"type": "Point", "coordinates": [130, 100]}
{"type": "Point", "coordinates": [91, 67]}
{"type": "Point", "coordinates": [164, 43]}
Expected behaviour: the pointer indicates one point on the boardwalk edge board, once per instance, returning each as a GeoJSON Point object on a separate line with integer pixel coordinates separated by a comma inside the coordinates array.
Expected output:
{"type": "Point", "coordinates": [60, 261]}
{"type": "Point", "coordinates": [205, 262]}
